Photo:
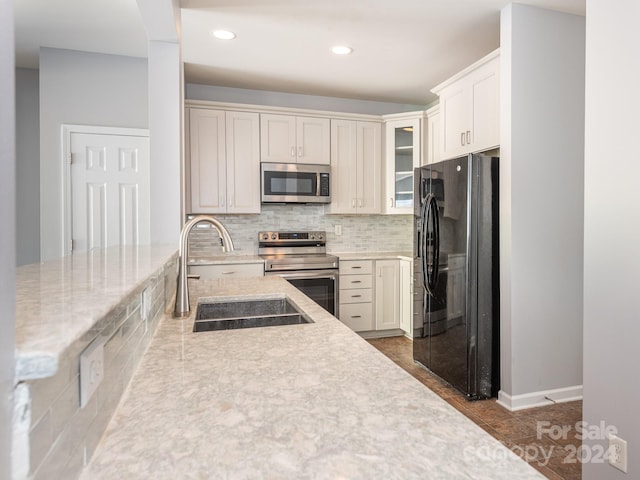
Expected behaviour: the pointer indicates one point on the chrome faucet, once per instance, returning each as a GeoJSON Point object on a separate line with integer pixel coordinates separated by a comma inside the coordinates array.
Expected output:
{"type": "Point", "coordinates": [182, 294]}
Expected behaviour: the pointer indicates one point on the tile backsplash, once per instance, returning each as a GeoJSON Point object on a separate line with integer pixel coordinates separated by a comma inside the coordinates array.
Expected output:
{"type": "Point", "coordinates": [360, 233]}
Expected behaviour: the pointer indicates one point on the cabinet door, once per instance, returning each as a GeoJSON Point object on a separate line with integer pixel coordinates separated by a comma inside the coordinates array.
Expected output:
{"type": "Point", "coordinates": [368, 166]}
{"type": "Point", "coordinates": [343, 167]}
{"type": "Point", "coordinates": [406, 293]}
{"type": "Point", "coordinates": [278, 138]}
{"type": "Point", "coordinates": [387, 299]}
{"type": "Point", "coordinates": [402, 156]}
{"type": "Point", "coordinates": [454, 120]}
{"type": "Point", "coordinates": [313, 144]}
{"type": "Point", "coordinates": [243, 162]}
{"type": "Point", "coordinates": [207, 161]}
{"type": "Point", "coordinates": [485, 91]}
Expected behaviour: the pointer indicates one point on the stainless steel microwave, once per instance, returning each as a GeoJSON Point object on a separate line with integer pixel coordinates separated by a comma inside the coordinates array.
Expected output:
{"type": "Point", "coordinates": [295, 183]}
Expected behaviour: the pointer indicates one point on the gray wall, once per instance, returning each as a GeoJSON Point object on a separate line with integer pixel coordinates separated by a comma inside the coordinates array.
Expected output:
{"type": "Point", "coordinates": [7, 233]}
{"type": "Point", "coordinates": [27, 166]}
{"type": "Point", "coordinates": [294, 100]}
{"type": "Point", "coordinates": [612, 229]}
{"type": "Point", "coordinates": [86, 89]}
{"type": "Point", "coordinates": [542, 151]}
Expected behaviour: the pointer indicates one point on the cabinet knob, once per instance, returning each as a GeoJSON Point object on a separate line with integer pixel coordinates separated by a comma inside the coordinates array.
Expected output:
{"type": "Point", "coordinates": [468, 137]}
{"type": "Point", "coordinates": [300, 151]}
{"type": "Point", "coordinates": [391, 202]}
{"type": "Point", "coordinates": [462, 139]}
{"type": "Point", "coordinates": [293, 151]}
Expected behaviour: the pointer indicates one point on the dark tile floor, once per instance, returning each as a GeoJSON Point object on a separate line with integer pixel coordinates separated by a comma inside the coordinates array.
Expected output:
{"type": "Point", "coordinates": [545, 436]}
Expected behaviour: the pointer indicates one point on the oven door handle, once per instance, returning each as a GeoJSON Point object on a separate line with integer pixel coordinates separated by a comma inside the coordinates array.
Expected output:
{"type": "Point", "coordinates": [332, 274]}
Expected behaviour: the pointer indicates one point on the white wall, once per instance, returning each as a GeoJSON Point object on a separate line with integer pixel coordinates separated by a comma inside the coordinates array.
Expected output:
{"type": "Point", "coordinates": [27, 167]}
{"type": "Point", "coordinates": [542, 150]}
{"type": "Point", "coordinates": [162, 23]}
{"type": "Point", "coordinates": [7, 233]}
{"type": "Point", "coordinates": [166, 107]}
{"type": "Point", "coordinates": [612, 228]}
{"type": "Point", "coordinates": [295, 100]}
{"type": "Point", "coordinates": [87, 89]}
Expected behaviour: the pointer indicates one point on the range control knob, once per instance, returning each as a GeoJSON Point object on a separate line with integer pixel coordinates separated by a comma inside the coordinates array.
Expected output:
{"type": "Point", "coordinates": [265, 236]}
{"type": "Point", "coordinates": [274, 236]}
{"type": "Point", "coordinates": [320, 236]}
{"type": "Point", "coordinates": [312, 236]}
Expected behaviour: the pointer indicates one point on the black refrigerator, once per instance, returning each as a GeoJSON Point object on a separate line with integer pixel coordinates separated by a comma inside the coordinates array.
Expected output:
{"type": "Point", "coordinates": [456, 273]}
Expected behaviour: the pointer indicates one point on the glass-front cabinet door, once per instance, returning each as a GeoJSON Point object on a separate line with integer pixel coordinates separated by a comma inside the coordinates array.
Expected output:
{"type": "Point", "coordinates": [403, 154]}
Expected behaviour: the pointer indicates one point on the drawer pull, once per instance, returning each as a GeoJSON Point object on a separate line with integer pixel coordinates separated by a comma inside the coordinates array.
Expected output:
{"type": "Point", "coordinates": [356, 267]}
{"type": "Point", "coordinates": [356, 296]}
{"type": "Point", "coordinates": [356, 316]}
{"type": "Point", "coordinates": [194, 276]}
{"type": "Point", "coordinates": [228, 273]}
{"type": "Point", "coordinates": [356, 281]}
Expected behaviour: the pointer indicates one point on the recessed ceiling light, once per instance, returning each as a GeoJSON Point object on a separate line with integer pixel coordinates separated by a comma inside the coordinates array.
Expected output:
{"type": "Point", "coordinates": [342, 50]}
{"type": "Point", "coordinates": [223, 34]}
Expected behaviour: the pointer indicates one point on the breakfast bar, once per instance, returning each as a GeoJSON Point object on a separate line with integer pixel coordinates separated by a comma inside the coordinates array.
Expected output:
{"type": "Point", "coordinates": [295, 401]}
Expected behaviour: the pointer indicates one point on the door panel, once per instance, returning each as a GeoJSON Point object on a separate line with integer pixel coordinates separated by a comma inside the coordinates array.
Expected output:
{"type": "Point", "coordinates": [448, 324]}
{"type": "Point", "coordinates": [110, 198]}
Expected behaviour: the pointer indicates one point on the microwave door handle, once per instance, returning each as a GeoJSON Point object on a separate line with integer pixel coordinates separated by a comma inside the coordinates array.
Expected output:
{"type": "Point", "coordinates": [317, 184]}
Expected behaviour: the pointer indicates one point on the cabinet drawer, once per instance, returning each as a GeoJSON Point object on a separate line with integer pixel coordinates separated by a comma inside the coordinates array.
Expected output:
{"type": "Point", "coordinates": [357, 295]}
{"type": "Point", "coordinates": [227, 270]}
{"type": "Point", "coordinates": [357, 316]}
{"type": "Point", "coordinates": [356, 267]}
{"type": "Point", "coordinates": [355, 281]}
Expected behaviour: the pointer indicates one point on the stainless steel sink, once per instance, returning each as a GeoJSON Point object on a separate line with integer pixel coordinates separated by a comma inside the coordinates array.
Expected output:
{"type": "Point", "coordinates": [247, 314]}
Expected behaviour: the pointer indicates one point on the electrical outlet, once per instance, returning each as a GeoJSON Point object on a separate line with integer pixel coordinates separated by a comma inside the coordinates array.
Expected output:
{"type": "Point", "coordinates": [145, 306]}
{"type": "Point", "coordinates": [338, 230]}
{"type": "Point", "coordinates": [618, 453]}
{"type": "Point", "coordinates": [91, 369]}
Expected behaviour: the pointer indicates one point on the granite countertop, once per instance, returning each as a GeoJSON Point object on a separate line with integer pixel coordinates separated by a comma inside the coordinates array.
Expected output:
{"type": "Point", "coordinates": [299, 401]}
{"type": "Point", "coordinates": [60, 300]}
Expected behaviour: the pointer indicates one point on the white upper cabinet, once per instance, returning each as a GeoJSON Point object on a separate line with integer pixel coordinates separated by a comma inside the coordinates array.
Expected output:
{"type": "Point", "coordinates": [433, 135]}
{"type": "Point", "coordinates": [355, 167]}
{"type": "Point", "coordinates": [223, 162]}
{"type": "Point", "coordinates": [403, 140]}
{"type": "Point", "coordinates": [469, 108]}
{"type": "Point", "coordinates": [291, 139]}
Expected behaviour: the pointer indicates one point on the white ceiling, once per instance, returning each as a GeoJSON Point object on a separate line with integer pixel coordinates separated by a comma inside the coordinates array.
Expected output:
{"type": "Point", "coordinates": [402, 48]}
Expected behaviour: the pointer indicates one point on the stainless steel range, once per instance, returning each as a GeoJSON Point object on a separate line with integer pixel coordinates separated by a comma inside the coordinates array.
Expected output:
{"type": "Point", "coordinates": [302, 259]}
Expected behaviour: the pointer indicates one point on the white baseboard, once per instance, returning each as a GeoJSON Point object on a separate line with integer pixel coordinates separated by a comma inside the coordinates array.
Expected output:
{"type": "Point", "coordinates": [539, 399]}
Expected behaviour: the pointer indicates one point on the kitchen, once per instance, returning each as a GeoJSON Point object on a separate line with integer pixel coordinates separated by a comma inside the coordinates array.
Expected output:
{"type": "Point", "coordinates": [516, 346]}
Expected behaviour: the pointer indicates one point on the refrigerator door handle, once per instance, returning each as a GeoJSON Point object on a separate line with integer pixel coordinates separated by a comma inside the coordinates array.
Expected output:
{"type": "Point", "coordinates": [430, 217]}
{"type": "Point", "coordinates": [433, 210]}
{"type": "Point", "coordinates": [423, 244]}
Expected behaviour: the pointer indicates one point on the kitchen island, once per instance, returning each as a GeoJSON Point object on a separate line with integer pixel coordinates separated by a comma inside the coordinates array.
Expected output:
{"type": "Point", "coordinates": [299, 401]}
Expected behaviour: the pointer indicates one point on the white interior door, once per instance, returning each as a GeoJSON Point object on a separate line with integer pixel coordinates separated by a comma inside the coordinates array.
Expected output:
{"type": "Point", "coordinates": [109, 190]}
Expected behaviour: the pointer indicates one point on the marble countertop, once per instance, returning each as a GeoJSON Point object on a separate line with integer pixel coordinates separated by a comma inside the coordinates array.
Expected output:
{"type": "Point", "coordinates": [60, 300]}
{"type": "Point", "coordinates": [299, 401]}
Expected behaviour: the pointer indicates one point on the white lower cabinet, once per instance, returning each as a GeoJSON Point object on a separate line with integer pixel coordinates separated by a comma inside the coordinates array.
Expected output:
{"type": "Point", "coordinates": [356, 295]}
{"type": "Point", "coordinates": [228, 270]}
{"type": "Point", "coordinates": [375, 295]}
{"type": "Point", "coordinates": [387, 294]}
{"type": "Point", "coordinates": [406, 295]}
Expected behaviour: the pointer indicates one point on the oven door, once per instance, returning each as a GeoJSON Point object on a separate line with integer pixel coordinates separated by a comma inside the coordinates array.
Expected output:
{"type": "Point", "coordinates": [319, 285]}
